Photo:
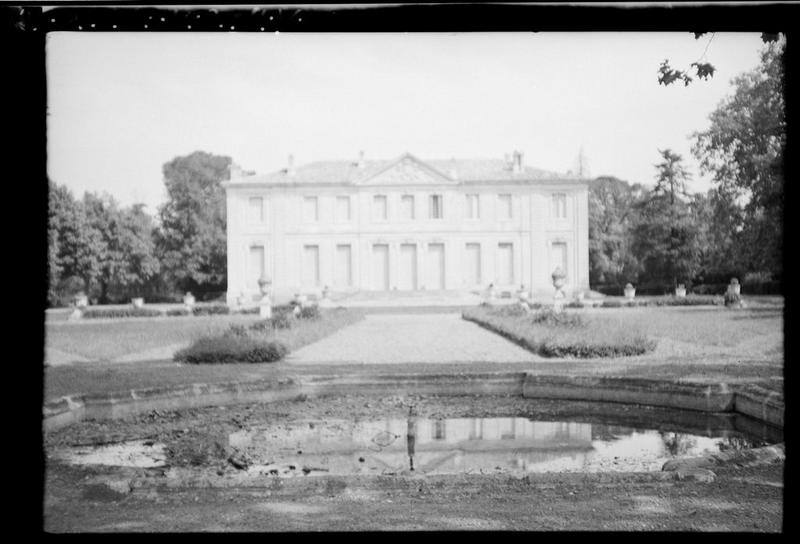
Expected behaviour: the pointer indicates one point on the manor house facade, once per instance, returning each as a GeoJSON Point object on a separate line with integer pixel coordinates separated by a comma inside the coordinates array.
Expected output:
{"type": "Point", "coordinates": [407, 225]}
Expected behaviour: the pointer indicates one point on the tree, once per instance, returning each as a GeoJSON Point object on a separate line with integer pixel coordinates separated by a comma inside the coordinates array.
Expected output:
{"type": "Point", "coordinates": [74, 247]}
{"type": "Point", "coordinates": [743, 149]}
{"type": "Point", "coordinates": [192, 242]}
{"type": "Point", "coordinates": [667, 75]}
{"type": "Point", "coordinates": [666, 239]}
{"type": "Point", "coordinates": [611, 218]}
{"type": "Point", "coordinates": [672, 176]}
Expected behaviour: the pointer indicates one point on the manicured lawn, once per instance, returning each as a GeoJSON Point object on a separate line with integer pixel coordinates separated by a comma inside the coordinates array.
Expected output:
{"type": "Point", "coordinates": [564, 334]}
{"type": "Point", "coordinates": [694, 344]}
{"type": "Point", "coordinates": [108, 339]}
{"type": "Point", "coordinates": [747, 333]}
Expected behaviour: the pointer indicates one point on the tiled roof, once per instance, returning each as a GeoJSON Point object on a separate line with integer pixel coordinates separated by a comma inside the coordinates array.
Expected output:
{"type": "Point", "coordinates": [461, 170]}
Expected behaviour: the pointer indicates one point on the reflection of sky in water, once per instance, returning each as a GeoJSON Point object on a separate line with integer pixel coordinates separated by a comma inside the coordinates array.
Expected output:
{"type": "Point", "coordinates": [472, 445]}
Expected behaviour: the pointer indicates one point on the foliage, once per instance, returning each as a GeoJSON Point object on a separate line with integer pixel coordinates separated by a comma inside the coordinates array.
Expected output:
{"type": "Point", "coordinates": [107, 247]}
{"type": "Point", "coordinates": [666, 238]}
{"type": "Point", "coordinates": [192, 241]}
{"type": "Point", "coordinates": [231, 349]}
{"type": "Point", "coordinates": [550, 337]}
{"type": "Point", "coordinates": [178, 312]}
{"type": "Point", "coordinates": [100, 313]}
{"type": "Point", "coordinates": [211, 309]}
{"type": "Point", "coordinates": [611, 218]}
{"type": "Point", "coordinates": [552, 318]}
{"type": "Point", "coordinates": [309, 312]}
{"type": "Point", "coordinates": [732, 299]}
{"type": "Point", "coordinates": [743, 149]}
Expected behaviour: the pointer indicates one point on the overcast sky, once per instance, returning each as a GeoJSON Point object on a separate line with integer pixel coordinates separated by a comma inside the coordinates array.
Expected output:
{"type": "Point", "coordinates": [123, 104]}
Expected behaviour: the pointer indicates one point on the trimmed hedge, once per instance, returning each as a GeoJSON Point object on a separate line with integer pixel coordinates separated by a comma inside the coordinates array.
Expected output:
{"type": "Point", "coordinates": [211, 309]}
{"type": "Point", "coordinates": [563, 334]}
{"type": "Point", "coordinates": [232, 349]}
{"type": "Point", "coordinates": [100, 313]}
{"type": "Point", "coordinates": [178, 312]}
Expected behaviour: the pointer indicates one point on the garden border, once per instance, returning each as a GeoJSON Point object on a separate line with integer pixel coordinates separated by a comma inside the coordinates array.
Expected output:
{"type": "Point", "coordinates": [750, 400]}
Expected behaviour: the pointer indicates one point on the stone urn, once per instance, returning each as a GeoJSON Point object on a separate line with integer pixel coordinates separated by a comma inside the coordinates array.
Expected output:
{"type": "Point", "coordinates": [138, 302]}
{"type": "Point", "coordinates": [559, 280]}
{"type": "Point", "coordinates": [523, 294]}
{"type": "Point", "coordinates": [680, 291]}
{"type": "Point", "coordinates": [188, 300]}
{"type": "Point", "coordinates": [81, 301]}
{"type": "Point", "coordinates": [265, 304]}
{"type": "Point", "coordinates": [326, 292]}
{"type": "Point", "coordinates": [630, 291]}
{"type": "Point", "coordinates": [734, 287]}
{"type": "Point", "coordinates": [241, 299]}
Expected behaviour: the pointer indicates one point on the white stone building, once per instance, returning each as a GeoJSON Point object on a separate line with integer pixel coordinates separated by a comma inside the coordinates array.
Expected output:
{"type": "Point", "coordinates": [406, 224]}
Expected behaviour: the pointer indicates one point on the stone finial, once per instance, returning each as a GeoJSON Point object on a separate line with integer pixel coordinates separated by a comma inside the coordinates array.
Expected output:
{"type": "Point", "coordinates": [290, 166]}
{"type": "Point", "coordinates": [360, 163]}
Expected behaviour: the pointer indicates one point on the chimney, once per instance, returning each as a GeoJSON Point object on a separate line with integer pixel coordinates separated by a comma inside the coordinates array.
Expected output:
{"type": "Point", "coordinates": [235, 171]}
{"type": "Point", "coordinates": [360, 163]}
{"type": "Point", "coordinates": [517, 165]}
{"type": "Point", "coordinates": [453, 173]}
{"type": "Point", "coordinates": [290, 168]}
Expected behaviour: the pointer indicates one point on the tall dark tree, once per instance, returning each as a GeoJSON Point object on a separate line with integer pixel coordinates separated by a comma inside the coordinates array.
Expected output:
{"type": "Point", "coordinates": [74, 246]}
{"type": "Point", "coordinates": [743, 149]}
{"type": "Point", "coordinates": [192, 241]}
{"type": "Point", "coordinates": [611, 219]}
{"type": "Point", "coordinates": [666, 237]}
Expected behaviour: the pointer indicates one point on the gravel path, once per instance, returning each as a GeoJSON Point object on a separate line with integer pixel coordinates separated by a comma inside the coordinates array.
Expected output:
{"type": "Point", "coordinates": [433, 338]}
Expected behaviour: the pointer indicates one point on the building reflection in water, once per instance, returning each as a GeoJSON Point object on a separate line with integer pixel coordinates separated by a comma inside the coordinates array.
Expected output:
{"type": "Point", "coordinates": [458, 445]}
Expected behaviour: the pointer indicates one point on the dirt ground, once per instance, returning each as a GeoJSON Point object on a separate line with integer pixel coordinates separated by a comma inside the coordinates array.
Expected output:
{"type": "Point", "coordinates": [741, 498]}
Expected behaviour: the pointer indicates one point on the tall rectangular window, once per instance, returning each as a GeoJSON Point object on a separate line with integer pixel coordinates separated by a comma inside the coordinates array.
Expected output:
{"type": "Point", "coordinates": [311, 266]}
{"type": "Point", "coordinates": [343, 208]}
{"type": "Point", "coordinates": [310, 209]}
{"type": "Point", "coordinates": [559, 205]}
{"type": "Point", "coordinates": [255, 210]}
{"type": "Point", "coordinates": [255, 267]}
{"type": "Point", "coordinates": [505, 210]}
{"type": "Point", "coordinates": [435, 208]}
{"type": "Point", "coordinates": [380, 208]}
{"type": "Point", "coordinates": [344, 274]}
{"type": "Point", "coordinates": [407, 207]}
{"type": "Point", "coordinates": [473, 207]}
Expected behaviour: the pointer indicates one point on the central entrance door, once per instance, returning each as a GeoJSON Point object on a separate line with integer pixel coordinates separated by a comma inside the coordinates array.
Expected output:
{"type": "Point", "coordinates": [505, 264]}
{"type": "Point", "coordinates": [380, 267]}
{"type": "Point", "coordinates": [472, 265]}
{"type": "Point", "coordinates": [408, 267]}
{"type": "Point", "coordinates": [435, 266]}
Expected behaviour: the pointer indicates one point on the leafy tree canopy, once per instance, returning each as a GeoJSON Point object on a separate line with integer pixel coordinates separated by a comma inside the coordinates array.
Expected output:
{"type": "Point", "coordinates": [192, 240]}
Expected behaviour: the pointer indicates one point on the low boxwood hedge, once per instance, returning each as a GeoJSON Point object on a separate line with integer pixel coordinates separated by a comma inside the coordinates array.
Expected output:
{"type": "Point", "coordinates": [232, 349]}
{"type": "Point", "coordinates": [563, 334]}
{"type": "Point", "coordinates": [211, 309]}
{"type": "Point", "coordinates": [99, 313]}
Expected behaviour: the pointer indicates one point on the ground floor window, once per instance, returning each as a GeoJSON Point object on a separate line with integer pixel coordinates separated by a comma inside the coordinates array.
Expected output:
{"type": "Point", "coordinates": [311, 266]}
{"type": "Point", "coordinates": [256, 268]}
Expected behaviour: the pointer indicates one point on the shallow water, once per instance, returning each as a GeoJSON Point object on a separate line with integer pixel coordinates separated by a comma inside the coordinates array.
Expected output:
{"type": "Point", "coordinates": [469, 445]}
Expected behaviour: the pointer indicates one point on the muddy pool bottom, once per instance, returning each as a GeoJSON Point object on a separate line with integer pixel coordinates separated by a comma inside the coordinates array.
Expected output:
{"type": "Point", "coordinates": [410, 439]}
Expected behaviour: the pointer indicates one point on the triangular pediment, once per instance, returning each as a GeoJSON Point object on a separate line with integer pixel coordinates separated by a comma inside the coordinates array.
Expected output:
{"type": "Point", "coordinates": [407, 170]}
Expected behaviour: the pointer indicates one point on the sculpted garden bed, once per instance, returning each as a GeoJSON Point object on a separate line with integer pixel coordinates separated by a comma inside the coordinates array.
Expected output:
{"type": "Point", "coordinates": [269, 340]}
{"type": "Point", "coordinates": [562, 334]}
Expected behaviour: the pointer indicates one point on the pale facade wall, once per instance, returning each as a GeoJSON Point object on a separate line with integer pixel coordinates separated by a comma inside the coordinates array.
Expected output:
{"type": "Point", "coordinates": [284, 231]}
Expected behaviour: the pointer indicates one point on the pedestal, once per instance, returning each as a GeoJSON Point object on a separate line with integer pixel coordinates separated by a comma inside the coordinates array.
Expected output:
{"type": "Point", "coordinates": [558, 300]}
{"type": "Point", "coordinates": [265, 308]}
